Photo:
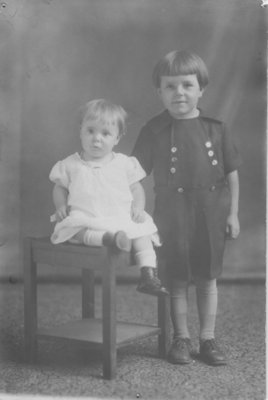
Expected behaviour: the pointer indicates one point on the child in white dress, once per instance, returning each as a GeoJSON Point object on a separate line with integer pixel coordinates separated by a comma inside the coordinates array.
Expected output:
{"type": "Point", "coordinates": [98, 196]}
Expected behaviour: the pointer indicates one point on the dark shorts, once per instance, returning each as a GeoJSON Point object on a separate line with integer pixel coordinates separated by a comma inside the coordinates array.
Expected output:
{"type": "Point", "coordinates": [192, 227]}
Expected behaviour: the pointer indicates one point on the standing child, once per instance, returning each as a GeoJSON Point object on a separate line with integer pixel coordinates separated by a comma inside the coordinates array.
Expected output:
{"type": "Point", "coordinates": [98, 197]}
{"type": "Point", "coordinates": [194, 162]}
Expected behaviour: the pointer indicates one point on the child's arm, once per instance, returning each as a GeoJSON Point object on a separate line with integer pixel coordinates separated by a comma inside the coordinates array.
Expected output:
{"type": "Point", "coordinates": [138, 203]}
{"type": "Point", "coordinates": [60, 196]}
{"type": "Point", "coordinates": [232, 227]}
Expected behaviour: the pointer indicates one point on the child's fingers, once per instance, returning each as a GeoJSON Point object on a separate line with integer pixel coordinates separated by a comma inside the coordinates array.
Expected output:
{"type": "Point", "coordinates": [232, 232]}
{"type": "Point", "coordinates": [60, 214]}
{"type": "Point", "coordinates": [138, 217]}
{"type": "Point", "coordinates": [235, 233]}
{"type": "Point", "coordinates": [227, 230]}
{"type": "Point", "coordinates": [141, 218]}
{"type": "Point", "coordinates": [63, 212]}
{"type": "Point", "coordinates": [53, 218]}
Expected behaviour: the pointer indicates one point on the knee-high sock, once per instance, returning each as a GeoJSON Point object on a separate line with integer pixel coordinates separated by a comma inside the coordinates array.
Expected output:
{"type": "Point", "coordinates": [93, 238]}
{"type": "Point", "coordinates": [207, 303]}
{"type": "Point", "coordinates": [179, 309]}
{"type": "Point", "coordinates": [146, 258]}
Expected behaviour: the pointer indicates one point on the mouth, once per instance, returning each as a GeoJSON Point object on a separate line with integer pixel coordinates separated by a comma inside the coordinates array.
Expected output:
{"type": "Point", "coordinates": [179, 102]}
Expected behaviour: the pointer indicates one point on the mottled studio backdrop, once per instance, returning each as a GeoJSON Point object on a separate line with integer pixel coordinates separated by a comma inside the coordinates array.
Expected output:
{"type": "Point", "coordinates": [57, 54]}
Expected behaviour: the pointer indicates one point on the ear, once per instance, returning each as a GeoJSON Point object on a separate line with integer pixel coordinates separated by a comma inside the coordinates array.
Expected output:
{"type": "Point", "coordinates": [158, 90]}
{"type": "Point", "coordinates": [201, 92]}
{"type": "Point", "coordinates": [117, 140]}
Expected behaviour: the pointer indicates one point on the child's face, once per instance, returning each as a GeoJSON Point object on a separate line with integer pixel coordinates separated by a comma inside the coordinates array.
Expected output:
{"type": "Point", "coordinates": [98, 139]}
{"type": "Point", "coordinates": [180, 95]}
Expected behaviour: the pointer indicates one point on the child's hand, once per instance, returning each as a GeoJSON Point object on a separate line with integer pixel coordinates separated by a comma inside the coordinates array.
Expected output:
{"type": "Point", "coordinates": [62, 212]}
{"type": "Point", "coordinates": [232, 226]}
{"type": "Point", "coordinates": [137, 214]}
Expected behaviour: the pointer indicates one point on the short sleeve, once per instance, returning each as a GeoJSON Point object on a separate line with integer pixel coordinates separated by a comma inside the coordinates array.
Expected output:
{"type": "Point", "coordinates": [231, 157]}
{"type": "Point", "coordinates": [134, 170]}
{"type": "Point", "coordinates": [59, 174]}
{"type": "Point", "coordinates": [143, 149]}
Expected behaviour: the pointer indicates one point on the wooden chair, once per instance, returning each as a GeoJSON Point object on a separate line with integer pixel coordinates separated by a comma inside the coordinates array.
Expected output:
{"type": "Point", "coordinates": [107, 333]}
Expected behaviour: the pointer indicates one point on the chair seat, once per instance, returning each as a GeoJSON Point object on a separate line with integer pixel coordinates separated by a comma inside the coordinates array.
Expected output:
{"type": "Point", "coordinates": [74, 255]}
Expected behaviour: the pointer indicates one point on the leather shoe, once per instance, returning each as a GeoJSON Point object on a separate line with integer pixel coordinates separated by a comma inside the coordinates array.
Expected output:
{"type": "Point", "coordinates": [211, 354]}
{"type": "Point", "coordinates": [150, 284]}
{"type": "Point", "coordinates": [179, 352]}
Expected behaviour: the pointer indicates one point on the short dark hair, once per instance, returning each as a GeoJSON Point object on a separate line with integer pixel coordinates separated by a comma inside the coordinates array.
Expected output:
{"type": "Point", "coordinates": [181, 63]}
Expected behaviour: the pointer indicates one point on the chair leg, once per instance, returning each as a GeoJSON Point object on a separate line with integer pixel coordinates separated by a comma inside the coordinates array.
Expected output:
{"type": "Point", "coordinates": [109, 318]}
{"type": "Point", "coordinates": [88, 293]}
{"type": "Point", "coordinates": [30, 302]}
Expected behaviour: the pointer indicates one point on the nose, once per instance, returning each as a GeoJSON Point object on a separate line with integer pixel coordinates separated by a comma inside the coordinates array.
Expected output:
{"type": "Point", "coordinates": [179, 89]}
{"type": "Point", "coordinates": [97, 137]}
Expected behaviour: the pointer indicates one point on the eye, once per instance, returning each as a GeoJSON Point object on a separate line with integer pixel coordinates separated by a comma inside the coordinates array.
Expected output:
{"type": "Point", "coordinates": [90, 131]}
{"type": "Point", "coordinates": [170, 86]}
{"type": "Point", "coordinates": [106, 133]}
{"type": "Point", "coordinates": [188, 84]}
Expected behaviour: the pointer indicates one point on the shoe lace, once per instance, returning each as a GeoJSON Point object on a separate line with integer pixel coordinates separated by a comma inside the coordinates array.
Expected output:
{"type": "Point", "coordinates": [180, 343]}
{"type": "Point", "coordinates": [156, 280]}
{"type": "Point", "coordinates": [152, 279]}
{"type": "Point", "coordinates": [210, 344]}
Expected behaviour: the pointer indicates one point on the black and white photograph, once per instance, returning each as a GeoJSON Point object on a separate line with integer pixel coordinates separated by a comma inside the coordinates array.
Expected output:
{"type": "Point", "coordinates": [133, 174]}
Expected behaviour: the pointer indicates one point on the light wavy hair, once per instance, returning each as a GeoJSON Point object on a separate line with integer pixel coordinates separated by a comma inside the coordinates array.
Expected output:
{"type": "Point", "coordinates": [105, 111]}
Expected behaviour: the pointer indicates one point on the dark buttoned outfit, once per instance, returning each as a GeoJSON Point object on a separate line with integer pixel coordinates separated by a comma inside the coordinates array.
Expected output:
{"type": "Point", "coordinates": [190, 159]}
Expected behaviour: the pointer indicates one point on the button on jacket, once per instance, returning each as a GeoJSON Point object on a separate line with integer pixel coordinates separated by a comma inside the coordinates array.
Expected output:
{"type": "Point", "coordinates": [189, 159]}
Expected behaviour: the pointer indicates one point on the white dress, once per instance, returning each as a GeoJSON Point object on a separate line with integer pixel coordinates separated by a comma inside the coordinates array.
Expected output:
{"type": "Point", "coordinates": [100, 197]}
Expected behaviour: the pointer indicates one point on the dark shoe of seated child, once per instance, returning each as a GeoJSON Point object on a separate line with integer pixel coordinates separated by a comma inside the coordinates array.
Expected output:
{"type": "Point", "coordinates": [118, 240]}
{"type": "Point", "coordinates": [211, 354]}
{"type": "Point", "coordinates": [150, 284]}
{"type": "Point", "coordinates": [180, 351]}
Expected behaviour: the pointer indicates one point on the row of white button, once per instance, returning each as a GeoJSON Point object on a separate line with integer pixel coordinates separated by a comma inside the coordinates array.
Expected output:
{"type": "Point", "coordinates": [210, 153]}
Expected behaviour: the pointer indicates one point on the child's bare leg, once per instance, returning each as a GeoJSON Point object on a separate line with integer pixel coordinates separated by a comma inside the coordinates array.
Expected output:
{"type": "Point", "coordinates": [146, 260]}
{"type": "Point", "coordinates": [90, 237]}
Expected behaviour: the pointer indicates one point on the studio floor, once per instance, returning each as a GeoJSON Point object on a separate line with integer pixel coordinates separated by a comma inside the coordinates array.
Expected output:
{"type": "Point", "coordinates": [71, 371]}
